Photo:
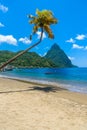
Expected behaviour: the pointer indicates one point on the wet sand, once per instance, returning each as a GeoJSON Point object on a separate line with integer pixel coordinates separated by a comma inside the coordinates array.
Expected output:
{"type": "Point", "coordinates": [26, 106]}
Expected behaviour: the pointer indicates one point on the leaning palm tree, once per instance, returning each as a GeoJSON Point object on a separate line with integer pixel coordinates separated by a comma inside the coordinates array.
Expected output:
{"type": "Point", "coordinates": [41, 21]}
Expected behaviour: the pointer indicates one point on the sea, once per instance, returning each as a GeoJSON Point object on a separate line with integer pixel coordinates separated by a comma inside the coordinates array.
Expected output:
{"type": "Point", "coordinates": [73, 79]}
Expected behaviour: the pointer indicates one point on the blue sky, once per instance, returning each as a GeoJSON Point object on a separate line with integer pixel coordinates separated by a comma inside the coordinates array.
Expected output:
{"type": "Point", "coordinates": [70, 32]}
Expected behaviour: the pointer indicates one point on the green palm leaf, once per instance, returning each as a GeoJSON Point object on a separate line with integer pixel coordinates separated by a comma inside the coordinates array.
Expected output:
{"type": "Point", "coordinates": [43, 19]}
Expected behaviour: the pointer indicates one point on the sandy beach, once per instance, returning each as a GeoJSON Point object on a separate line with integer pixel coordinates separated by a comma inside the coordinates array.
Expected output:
{"type": "Point", "coordinates": [26, 106]}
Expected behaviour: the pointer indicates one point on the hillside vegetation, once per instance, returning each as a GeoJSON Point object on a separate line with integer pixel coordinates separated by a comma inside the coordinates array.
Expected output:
{"type": "Point", "coordinates": [55, 57]}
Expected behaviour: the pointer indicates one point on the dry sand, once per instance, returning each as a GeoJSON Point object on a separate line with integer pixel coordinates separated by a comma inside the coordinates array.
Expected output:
{"type": "Point", "coordinates": [25, 106]}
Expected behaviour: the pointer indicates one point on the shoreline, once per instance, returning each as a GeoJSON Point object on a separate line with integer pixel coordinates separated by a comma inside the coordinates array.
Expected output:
{"type": "Point", "coordinates": [69, 87]}
{"type": "Point", "coordinates": [27, 106]}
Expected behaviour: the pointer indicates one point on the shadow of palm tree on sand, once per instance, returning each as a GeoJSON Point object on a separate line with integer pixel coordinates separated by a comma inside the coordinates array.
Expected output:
{"type": "Point", "coordinates": [46, 89]}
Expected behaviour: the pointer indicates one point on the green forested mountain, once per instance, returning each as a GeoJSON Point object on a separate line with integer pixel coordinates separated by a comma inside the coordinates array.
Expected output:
{"type": "Point", "coordinates": [55, 58]}
{"type": "Point", "coordinates": [58, 56]}
{"type": "Point", "coordinates": [29, 59]}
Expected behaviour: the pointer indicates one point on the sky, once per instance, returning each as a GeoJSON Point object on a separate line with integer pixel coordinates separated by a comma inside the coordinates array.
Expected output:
{"type": "Point", "coordinates": [70, 32]}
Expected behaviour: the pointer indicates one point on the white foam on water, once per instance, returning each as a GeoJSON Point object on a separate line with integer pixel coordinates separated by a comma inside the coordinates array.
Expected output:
{"type": "Point", "coordinates": [45, 82]}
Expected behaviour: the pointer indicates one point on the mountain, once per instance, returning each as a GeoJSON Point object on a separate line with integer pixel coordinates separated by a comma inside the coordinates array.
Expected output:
{"type": "Point", "coordinates": [55, 57]}
{"type": "Point", "coordinates": [58, 57]}
{"type": "Point", "coordinates": [29, 59]}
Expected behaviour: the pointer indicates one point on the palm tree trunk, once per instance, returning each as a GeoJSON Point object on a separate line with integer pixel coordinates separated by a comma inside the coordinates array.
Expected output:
{"type": "Point", "coordinates": [23, 52]}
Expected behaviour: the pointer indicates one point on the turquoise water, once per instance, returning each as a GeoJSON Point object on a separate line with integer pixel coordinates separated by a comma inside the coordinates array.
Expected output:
{"type": "Point", "coordinates": [74, 79]}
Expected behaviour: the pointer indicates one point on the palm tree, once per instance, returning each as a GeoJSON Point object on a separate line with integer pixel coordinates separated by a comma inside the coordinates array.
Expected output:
{"type": "Point", "coordinates": [42, 21]}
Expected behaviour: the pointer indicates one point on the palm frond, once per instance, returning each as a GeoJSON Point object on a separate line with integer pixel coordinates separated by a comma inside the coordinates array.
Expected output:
{"type": "Point", "coordinates": [35, 28]}
{"type": "Point", "coordinates": [43, 19]}
{"type": "Point", "coordinates": [48, 31]}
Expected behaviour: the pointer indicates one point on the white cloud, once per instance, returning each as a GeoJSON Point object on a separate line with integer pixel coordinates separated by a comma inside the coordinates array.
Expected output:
{"type": "Point", "coordinates": [39, 35]}
{"type": "Point", "coordinates": [80, 37]}
{"type": "Point", "coordinates": [85, 48]}
{"type": "Point", "coordinates": [71, 40]}
{"type": "Point", "coordinates": [8, 39]}
{"type": "Point", "coordinates": [71, 58]}
{"type": "Point", "coordinates": [25, 40]}
{"type": "Point", "coordinates": [3, 8]}
{"type": "Point", "coordinates": [43, 54]}
{"type": "Point", "coordinates": [76, 46]}
{"type": "Point", "coordinates": [1, 25]}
